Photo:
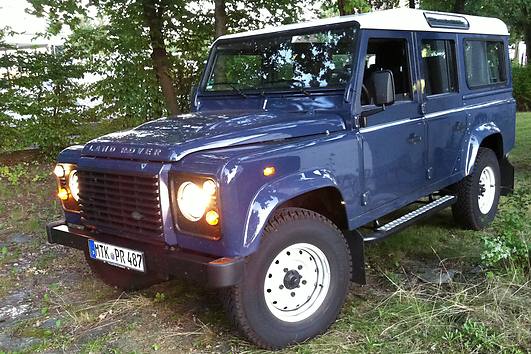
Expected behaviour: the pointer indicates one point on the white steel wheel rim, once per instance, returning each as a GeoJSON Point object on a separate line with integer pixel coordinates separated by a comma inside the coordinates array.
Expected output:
{"type": "Point", "coordinates": [487, 190]}
{"type": "Point", "coordinates": [296, 282]}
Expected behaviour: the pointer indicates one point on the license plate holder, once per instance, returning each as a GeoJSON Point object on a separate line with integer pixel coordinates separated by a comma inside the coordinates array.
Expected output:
{"type": "Point", "coordinates": [117, 256]}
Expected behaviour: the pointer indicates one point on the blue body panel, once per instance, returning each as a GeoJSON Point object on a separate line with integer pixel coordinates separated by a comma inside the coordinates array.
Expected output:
{"type": "Point", "coordinates": [410, 150]}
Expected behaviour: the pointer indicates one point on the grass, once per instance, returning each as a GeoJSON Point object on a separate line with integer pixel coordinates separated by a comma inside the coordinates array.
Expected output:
{"type": "Point", "coordinates": [484, 310]}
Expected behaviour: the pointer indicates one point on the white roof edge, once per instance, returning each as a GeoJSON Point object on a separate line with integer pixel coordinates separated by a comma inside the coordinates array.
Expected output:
{"type": "Point", "coordinates": [402, 19]}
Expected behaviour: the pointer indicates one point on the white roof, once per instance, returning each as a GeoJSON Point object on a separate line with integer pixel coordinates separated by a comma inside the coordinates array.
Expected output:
{"type": "Point", "coordinates": [402, 19]}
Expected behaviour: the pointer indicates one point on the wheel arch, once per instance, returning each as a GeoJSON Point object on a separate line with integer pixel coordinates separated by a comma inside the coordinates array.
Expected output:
{"type": "Point", "coordinates": [326, 201]}
{"type": "Point", "coordinates": [318, 193]}
{"type": "Point", "coordinates": [495, 143]}
{"type": "Point", "coordinates": [296, 190]}
{"type": "Point", "coordinates": [488, 136]}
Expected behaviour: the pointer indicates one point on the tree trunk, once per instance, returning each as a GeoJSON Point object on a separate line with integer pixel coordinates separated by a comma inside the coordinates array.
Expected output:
{"type": "Point", "coordinates": [527, 39]}
{"type": "Point", "coordinates": [517, 53]}
{"type": "Point", "coordinates": [342, 7]}
{"type": "Point", "coordinates": [411, 4]}
{"type": "Point", "coordinates": [459, 6]}
{"type": "Point", "coordinates": [153, 11]}
{"type": "Point", "coordinates": [220, 17]}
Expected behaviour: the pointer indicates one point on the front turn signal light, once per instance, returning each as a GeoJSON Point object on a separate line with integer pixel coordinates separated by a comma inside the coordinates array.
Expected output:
{"type": "Point", "coordinates": [269, 171]}
{"type": "Point", "coordinates": [212, 217]}
{"type": "Point", "coordinates": [63, 194]}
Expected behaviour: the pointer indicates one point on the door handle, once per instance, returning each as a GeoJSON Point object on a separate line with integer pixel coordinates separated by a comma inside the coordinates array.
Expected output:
{"type": "Point", "coordinates": [414, 139]}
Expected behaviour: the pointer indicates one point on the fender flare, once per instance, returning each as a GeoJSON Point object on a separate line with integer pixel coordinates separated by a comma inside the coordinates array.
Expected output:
{"type": "Point", "coordinates": [71, 154]}
{"type": "Point", "coordinates": [271, 195]}
{"type": "Point", "coordinates": [476, 138]}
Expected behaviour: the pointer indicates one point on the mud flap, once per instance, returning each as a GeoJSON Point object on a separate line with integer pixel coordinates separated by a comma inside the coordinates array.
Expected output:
{"type": "Point", "coordinates": [507, 177]}
{"type": "Point", "coordinates": [356, 245]}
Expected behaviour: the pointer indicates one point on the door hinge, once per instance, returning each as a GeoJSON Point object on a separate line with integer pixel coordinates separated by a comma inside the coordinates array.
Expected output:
{"type": "Point", "coordinates": [429, 173]}
{"type": "Point", "coordinates": [365, 199]}
{"type": "Point", "coordinates": [423, 108]}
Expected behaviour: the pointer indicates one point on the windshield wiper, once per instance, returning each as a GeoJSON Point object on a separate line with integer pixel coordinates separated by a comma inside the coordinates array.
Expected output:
{"type": "Point", "coordinates": [233, 86]}
{"type": "Point", "coordinates": [292, 82]}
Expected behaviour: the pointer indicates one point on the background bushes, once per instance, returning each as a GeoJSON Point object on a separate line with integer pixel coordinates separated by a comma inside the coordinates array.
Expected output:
{"type": "Point", "coordinates": [522, 87]}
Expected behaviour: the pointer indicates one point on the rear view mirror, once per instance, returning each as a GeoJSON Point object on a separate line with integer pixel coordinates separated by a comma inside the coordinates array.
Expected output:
{"type": "Point", "coordinates": [382, 87]}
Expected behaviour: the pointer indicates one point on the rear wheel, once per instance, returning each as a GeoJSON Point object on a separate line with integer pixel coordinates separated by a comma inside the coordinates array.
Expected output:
{"type": "Point", "coordinates": [123, 279]}
{"type": "Point", "coordinates": [295, 284]}
{"type": "Point", "coordinates": [479, 193]}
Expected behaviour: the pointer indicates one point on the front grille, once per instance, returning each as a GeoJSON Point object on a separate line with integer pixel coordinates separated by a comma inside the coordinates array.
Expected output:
{"type": "Point", "coordinates": [121, 205]}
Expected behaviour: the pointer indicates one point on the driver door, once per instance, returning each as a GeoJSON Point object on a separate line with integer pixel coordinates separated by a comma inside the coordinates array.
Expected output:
{"type": "Point", "coordinates": [393, 139]}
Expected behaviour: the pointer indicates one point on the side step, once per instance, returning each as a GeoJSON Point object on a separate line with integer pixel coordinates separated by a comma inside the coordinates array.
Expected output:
{"type": "Point", "coordinates": [402, 222]}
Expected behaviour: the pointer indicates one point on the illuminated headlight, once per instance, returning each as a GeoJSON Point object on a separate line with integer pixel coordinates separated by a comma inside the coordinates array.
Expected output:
{"type": "Point", "coordinates": [194, 200]}
{"type": "Point", "coordinates": [68, 186]}
{"type": "Point", "coordinates": [73, 185]}
{"type": "Point", "coordinates": [59, 171]}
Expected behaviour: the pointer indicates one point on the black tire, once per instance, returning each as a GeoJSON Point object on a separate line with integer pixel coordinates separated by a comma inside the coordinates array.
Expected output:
{"type": "Point", "coordinates": [122, 279]}
{"type": "Point", "coordinates": [246, 303]}
{"type": "Point", "coordinates": [466, 211]}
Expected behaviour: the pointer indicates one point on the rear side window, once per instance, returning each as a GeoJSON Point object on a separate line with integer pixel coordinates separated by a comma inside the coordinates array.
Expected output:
{"type": "Point", "coordinates": [438, 61]}
{"type": "Point", "coordinates": [485, 63]}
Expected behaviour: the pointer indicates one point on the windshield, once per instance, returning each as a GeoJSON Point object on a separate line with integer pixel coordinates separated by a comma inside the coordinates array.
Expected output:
{"type": "Point", "coordinates": [318, 59]}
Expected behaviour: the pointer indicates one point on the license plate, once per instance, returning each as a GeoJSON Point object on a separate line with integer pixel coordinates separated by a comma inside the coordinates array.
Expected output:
{"type": "Point", "coordinates": [116, 256]}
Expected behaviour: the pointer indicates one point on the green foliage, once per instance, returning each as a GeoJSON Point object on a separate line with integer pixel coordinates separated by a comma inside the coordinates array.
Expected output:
{"type": "Point", "coordinates": [41, 91]}
{"type": "Point", "coordinates": [13, 174]}
{"type": "Point", "coordinates": [109, 49]}
{"type": "Point", "coordinates": [508, 245]}
{"type": "Point", "coordinates": [516, 13]}
{"type": "Point", "coordinates": [522, 87]}
{"type": "Point", "coordinates": [474, 337]}
{"type": "Point", "coordinates": [160, 297]}
{"type": "Point", "coordinates": [331, 7]}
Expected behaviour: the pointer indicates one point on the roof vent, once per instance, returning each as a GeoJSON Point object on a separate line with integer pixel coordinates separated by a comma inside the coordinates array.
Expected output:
{"type": "Point", "coordinates": [436, 20]}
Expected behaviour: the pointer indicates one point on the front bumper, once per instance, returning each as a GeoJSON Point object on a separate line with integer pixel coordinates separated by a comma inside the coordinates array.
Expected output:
{"type": "Point", "coordinates": [165, 262]}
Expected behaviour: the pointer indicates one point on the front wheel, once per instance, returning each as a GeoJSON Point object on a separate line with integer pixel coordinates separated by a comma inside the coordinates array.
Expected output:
{"type": "Point", "coordinates": [296, 284]}
{"type": "Point", "coordinates": [479, 193]}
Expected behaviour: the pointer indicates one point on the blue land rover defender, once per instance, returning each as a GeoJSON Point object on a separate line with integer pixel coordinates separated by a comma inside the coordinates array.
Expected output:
{"type": "Point", "coordinates": [302, 140]}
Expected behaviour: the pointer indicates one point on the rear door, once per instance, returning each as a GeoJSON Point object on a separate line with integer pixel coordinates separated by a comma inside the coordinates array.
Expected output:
{"type": "Point", "coordinates": [442, 104]}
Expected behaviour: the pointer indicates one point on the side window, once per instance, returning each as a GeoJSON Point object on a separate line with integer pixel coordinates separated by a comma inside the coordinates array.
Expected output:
{"type": "Point", "coordinates": [485, 63]}
{"type": "Point", "coordinates": [438, 64]}
{"type": "Point", "coordinates": [387, 54]}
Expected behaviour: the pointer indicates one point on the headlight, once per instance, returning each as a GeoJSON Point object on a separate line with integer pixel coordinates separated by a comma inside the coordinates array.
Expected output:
{"type": "Point", "coordinates": [68, 186]}
{"type": "Point", "coordinates": [73, 185]}
{"type": "Point", "coordinates": [193, 200]}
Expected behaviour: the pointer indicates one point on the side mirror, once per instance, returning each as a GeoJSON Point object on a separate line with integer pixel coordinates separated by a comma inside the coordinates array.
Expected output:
{"type": "Point", "coordinates": [382, 87]}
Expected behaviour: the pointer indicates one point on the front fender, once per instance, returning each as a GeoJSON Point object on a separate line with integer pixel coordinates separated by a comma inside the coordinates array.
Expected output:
{"type": "Point", "coordinates": [271, 195]}
{"type": "Point", "coordinates": [476, 137]}
{"type": "Point", "coordinates": [71, 154]}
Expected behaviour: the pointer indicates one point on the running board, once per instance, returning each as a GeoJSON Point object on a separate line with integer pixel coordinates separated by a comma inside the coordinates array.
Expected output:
{"type": "Point", "coordinates": [402, 222]}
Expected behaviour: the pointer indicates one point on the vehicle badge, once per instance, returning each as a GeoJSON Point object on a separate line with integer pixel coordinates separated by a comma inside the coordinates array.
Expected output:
{"type": "Point", "coordinates": [137, 216]}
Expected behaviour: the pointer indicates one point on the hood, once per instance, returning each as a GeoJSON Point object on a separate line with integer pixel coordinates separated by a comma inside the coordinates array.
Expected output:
{"type": "Point", "coordinates": [170, 139]}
